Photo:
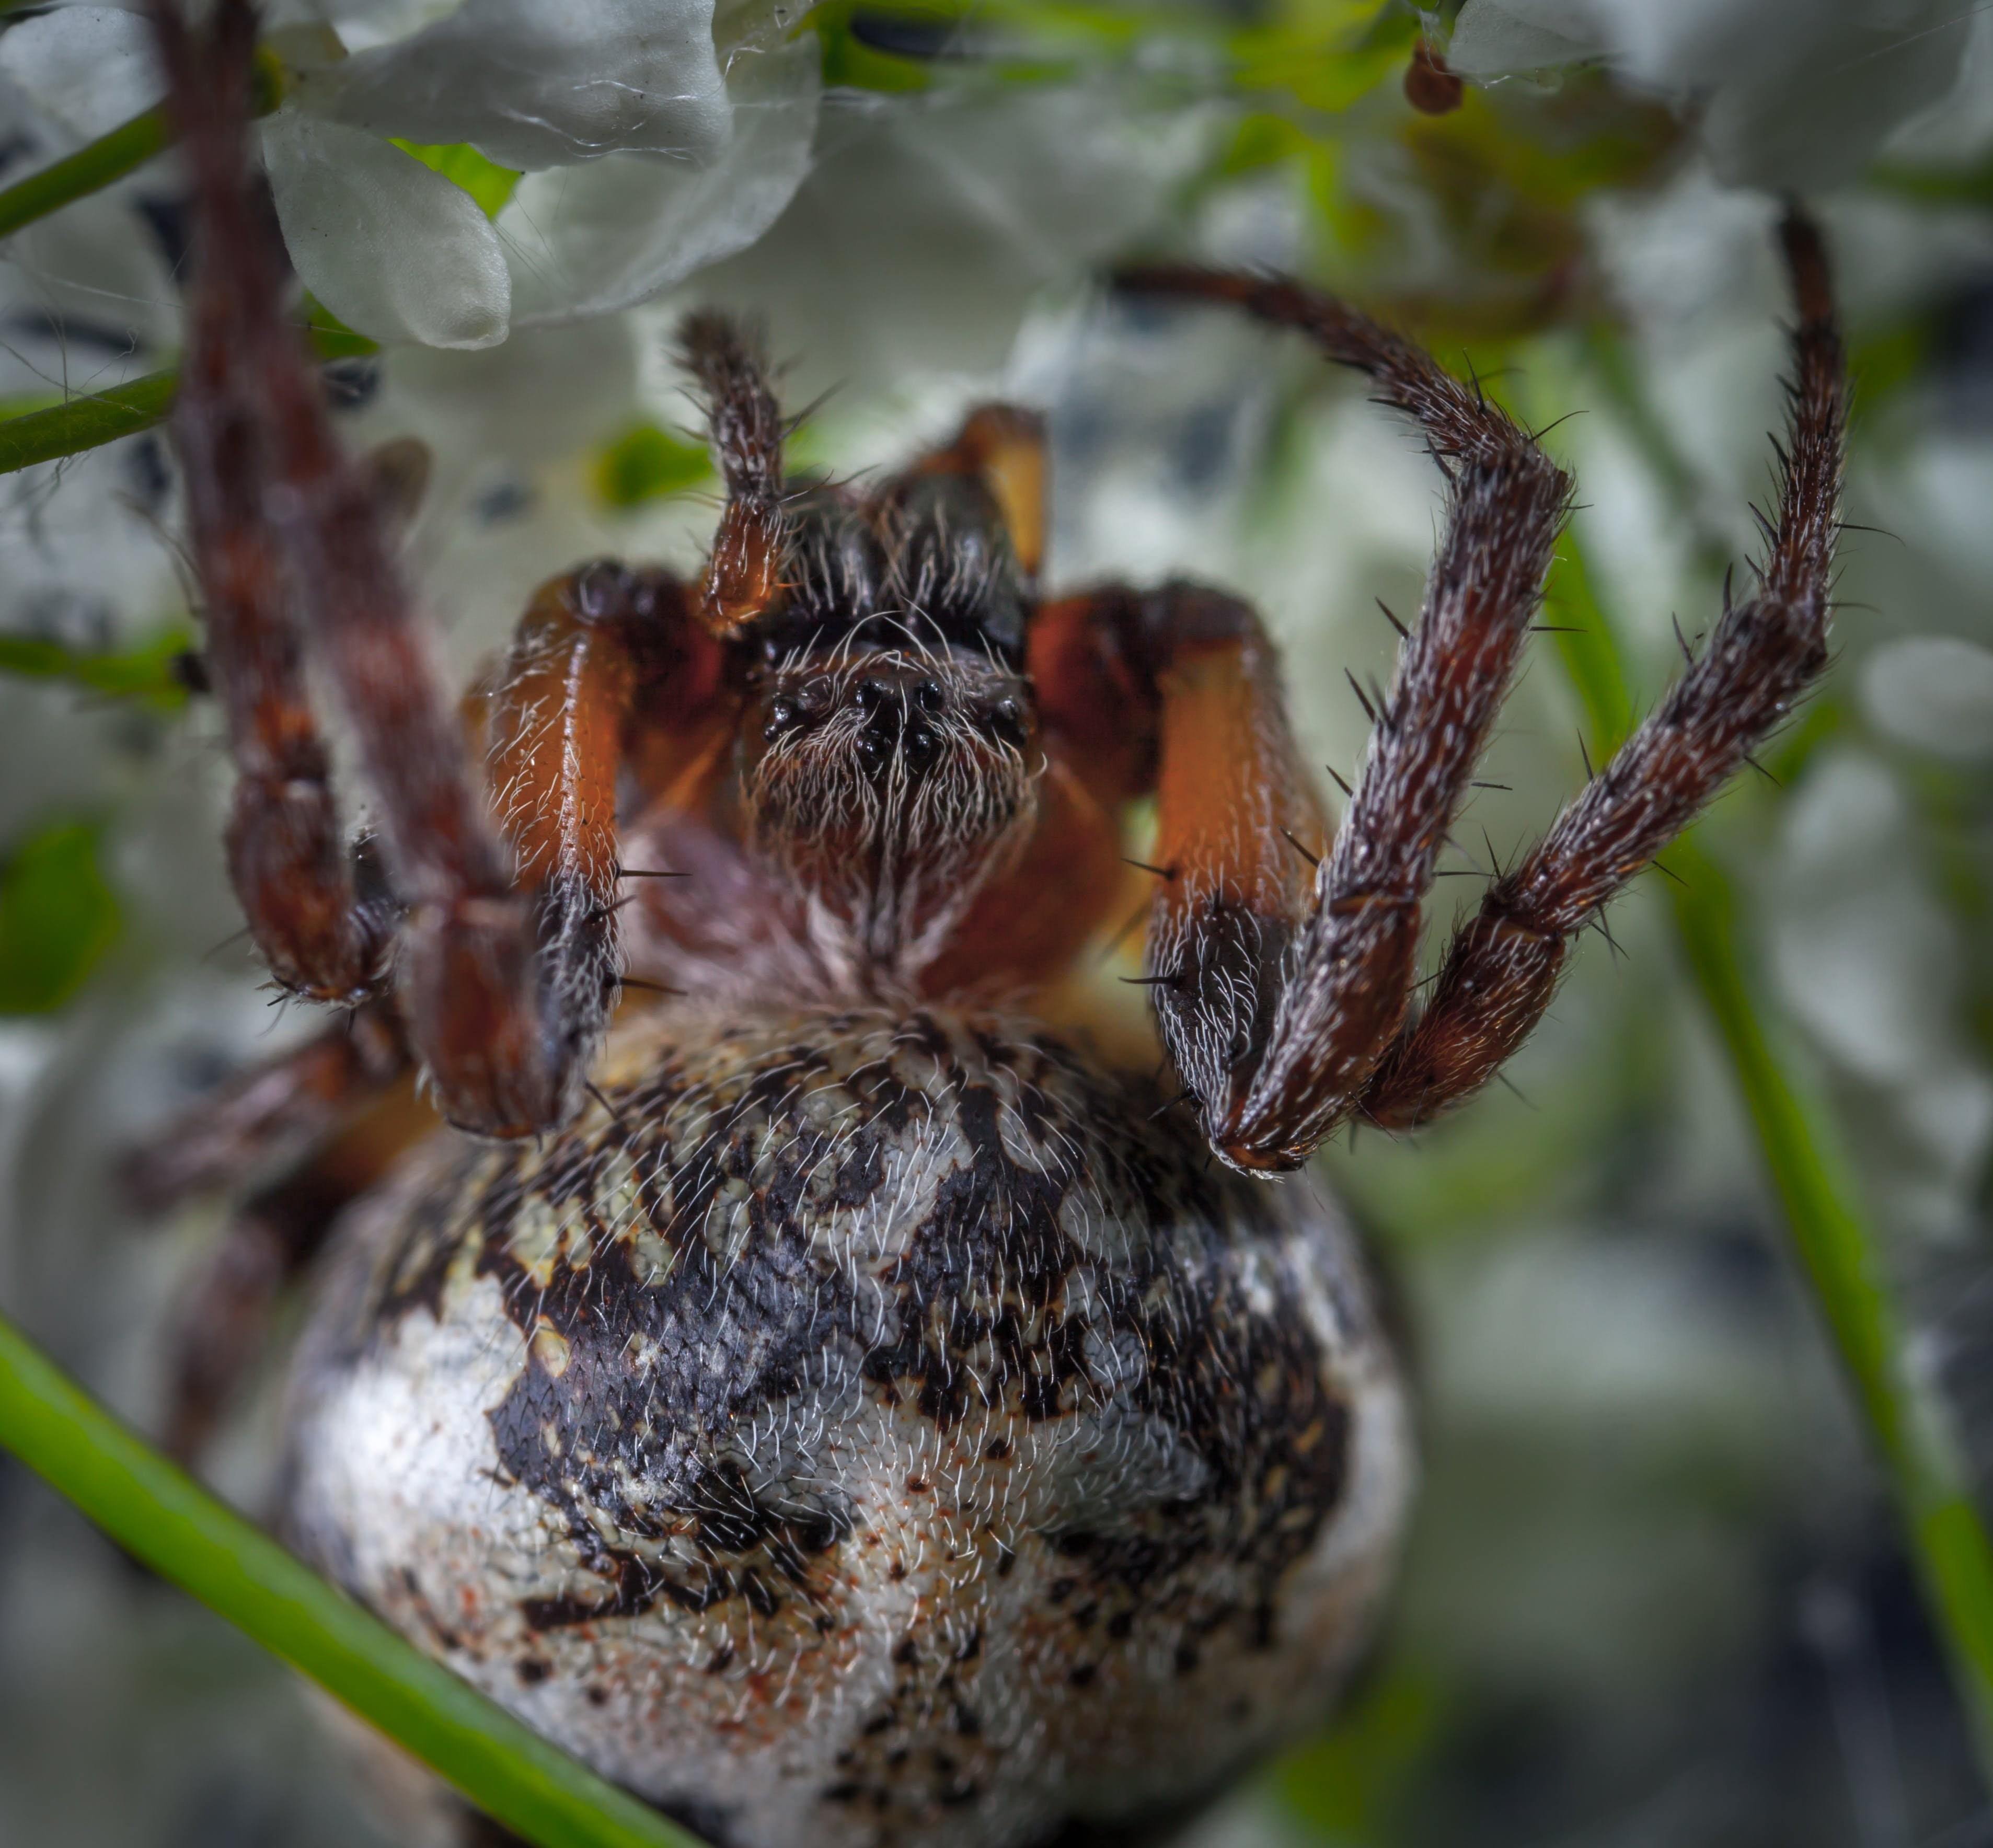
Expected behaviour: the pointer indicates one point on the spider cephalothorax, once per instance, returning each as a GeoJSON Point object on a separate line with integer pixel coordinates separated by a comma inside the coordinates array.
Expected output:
{"type": "Point", "coordinates": [889, 765]}
{"type": "Point", "coordinates": [840, 1404]}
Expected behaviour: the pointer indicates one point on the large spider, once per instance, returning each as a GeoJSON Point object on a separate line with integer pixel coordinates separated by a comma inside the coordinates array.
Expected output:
{"type": "Point", "coordinates": [836, 1403]}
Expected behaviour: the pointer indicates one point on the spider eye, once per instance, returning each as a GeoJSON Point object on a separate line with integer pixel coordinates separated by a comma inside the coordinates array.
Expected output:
{"type": "Point", "coordinates": [1006, 720]}
{"type": "Point", "coordinates": [927, 696]}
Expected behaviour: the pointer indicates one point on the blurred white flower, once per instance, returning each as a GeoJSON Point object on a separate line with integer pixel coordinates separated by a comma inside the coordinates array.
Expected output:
{"type": "Point", "coordinates": [1789, 93]}
{"type": "Point", "coordinates": [652, 148]}
{"type": "Point", "coordinates": [1933, 693]}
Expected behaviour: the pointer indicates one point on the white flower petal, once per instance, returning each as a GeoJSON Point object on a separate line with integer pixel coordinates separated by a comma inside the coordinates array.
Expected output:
{"type": "Point", "coordinates": [1933, 693]}
{"type": "Point", "coordinates": [924, 233]}
{"type": "Point", "coordinates": [1790, 93]}
{"type": "Point", "coordinates": [90, 67]}
{"type": "Point", "coordinates": [531, 85]}
{"type": "Point", "coordinates": [595, 239]}
{"type": "Point", "coordinates": [398, 252]}
{"type": "Point", "coordinates": [1496, 38]}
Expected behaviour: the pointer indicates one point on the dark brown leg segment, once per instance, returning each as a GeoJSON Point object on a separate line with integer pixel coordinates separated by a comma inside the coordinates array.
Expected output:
{"type": "Point", "coordinates": [1502, 967]}
{"type": "Point", "coordinates": [1337, 989]}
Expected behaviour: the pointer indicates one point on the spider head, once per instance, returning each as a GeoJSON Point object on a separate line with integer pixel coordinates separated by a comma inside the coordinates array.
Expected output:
{"type": "Point", "coordinates": [891, 756]}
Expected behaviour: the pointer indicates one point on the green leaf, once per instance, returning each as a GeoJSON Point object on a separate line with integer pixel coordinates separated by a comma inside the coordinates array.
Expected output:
{"type": "Point", "coordinates": [161, 1516]}
{"type": "Point", "coordinates": [646, 463]}
{"type": "Point", "coordinates": [151, 672]}
{"type": "Point", "coordinates": [490, 184]}
{"type": "Point", "coordinates": [57, 918]}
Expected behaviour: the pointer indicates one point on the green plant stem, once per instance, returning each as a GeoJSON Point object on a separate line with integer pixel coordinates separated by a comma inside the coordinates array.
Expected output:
{"type": "Point", "coordinates": [126, 147]}
{"type": "Point", "coordinates": [86, 423]}
{"type": "Point", "coordinates": [1800, 1142]}
{"type": "Point", "coordinates": [89, 170]}
{"type": "Point", "coordinates": [159, 1514]}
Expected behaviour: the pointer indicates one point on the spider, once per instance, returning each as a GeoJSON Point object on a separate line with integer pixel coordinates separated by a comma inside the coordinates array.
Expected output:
{"type": "Point", "coordinates": [838, 1400]}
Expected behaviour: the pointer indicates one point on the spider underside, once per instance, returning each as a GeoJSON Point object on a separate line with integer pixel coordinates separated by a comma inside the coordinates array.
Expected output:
{"type": "Point", "coordinates": [812, 1380]}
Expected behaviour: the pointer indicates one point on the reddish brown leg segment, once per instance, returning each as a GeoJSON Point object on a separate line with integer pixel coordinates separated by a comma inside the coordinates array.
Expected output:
{"type": "Point", "coordinates": [287, 856]}
{"type": "Point", "coordinates": [561, 719]}
{"type": "Point", "coordinates": [1270, 1094]}
{"type": "Point", "coordinates": [1503, 966]}
{"type": "Point", "coordinates": [468, 964]}
{"type": "Point", "coordinates": [270, 1114]}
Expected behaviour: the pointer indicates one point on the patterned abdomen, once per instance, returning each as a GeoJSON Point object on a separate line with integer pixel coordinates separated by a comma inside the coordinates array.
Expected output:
{"type": "Point", "coordinates": [883, 1429]}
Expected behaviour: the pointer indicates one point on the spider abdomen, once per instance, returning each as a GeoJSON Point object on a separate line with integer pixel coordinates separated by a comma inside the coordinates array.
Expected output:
{"type": "Point", "coordinates": [882, 1428]}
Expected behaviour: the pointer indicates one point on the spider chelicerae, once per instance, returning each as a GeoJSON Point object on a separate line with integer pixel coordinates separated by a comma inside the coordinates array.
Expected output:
{"type": "Point", "coordinates": [814, 1380]}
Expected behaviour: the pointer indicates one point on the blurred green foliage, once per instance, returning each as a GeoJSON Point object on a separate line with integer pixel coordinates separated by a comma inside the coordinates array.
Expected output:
{"type": "Point", "coordinates": [154, 673]}
{"type": "Point", "coordinates": [647, 463]}
{"type": "Point", "coordinates": [58, 917]}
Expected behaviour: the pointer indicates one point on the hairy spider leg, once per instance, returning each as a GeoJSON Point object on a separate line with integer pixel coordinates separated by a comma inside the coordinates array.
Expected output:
{"type": "Point", "coordinates": [219, 1325]}
{"type": "Point", "coordinates": [1270, 1089]}
{"type": "Point", "coordinates": [273, 1114]}
{"type": "Point", "coordinates": [1004, 447]}
{"type": "Point", "coordinates": [468, 960]}
{"type": "Point", "coordinates": [610, 695]}
{"type": "Point", "coordinates": [1176, 692]}
{"type": "Point", "coordinates": [1502, 965]}
{"type": "Point", "coordinates": [328, 1117]}
{"type": "Point", "coordinates": [287, 855]}
{"type": "Point", "coordinates": [744, 572]}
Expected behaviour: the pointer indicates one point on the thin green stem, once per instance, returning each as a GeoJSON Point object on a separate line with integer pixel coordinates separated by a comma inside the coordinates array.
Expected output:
{"type": "Point", "coordinates": [89, 170]}
{"type": "Point", "coordinates": [1800, 1144]}
{"type": "Point", "coordinates": [86, 423]}
{"type": "Point", "coordinates": [126, 147]}
{"type": "Point", "coordinates": [163, 1518]}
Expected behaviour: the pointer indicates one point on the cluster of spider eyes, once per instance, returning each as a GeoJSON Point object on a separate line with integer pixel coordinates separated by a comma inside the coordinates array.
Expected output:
{"type": "Point", "coordinates": [895, 719]}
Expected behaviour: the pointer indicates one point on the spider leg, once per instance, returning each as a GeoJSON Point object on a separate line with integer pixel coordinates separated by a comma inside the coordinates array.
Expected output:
{"type": "Point", "coordinates": [287, 856]}
{"type": "Point", "coordinates": [220, 1325]}
{"type": "Point", "coordinates": [1177, 690]}
{"type": "Point", "coordinates": [1004, 447]}
{"type": "Point", "coordinates": [1276, 1031]}
{"type": "Point", "coordinates": [1503, 965]}
{"type": "Point", "coordinates": [744, 571]}
{"type": "Point", "coordinates": [606, 672]}
{"type": "Point", "coordinates": [269, 1116]}
{"type": "Point", "coordinates": [467, 962]}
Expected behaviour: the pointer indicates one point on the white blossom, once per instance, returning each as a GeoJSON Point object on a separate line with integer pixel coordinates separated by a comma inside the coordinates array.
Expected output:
{"type": "Point", "coordinates": [652, 147]}
{"type": "Point", "coordinates": [1788, 93]}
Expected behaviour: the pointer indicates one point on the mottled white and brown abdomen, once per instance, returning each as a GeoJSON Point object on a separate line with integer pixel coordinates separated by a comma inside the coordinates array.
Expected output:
{"type": "Point", "coordinates": [883, 1429]}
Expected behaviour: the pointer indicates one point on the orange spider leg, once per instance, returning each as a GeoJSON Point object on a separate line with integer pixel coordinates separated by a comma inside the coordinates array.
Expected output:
{"type": "Point", "coordinates": [1004, 447]}
{"type": "Point", "coordinates": [467, 962]}
{"type": "Point", "coordinates": [605, 670]}
{"type": "Point", "coordinates": [1343, 988]}
{"type": "Point", "coordinates": [1177, 691]}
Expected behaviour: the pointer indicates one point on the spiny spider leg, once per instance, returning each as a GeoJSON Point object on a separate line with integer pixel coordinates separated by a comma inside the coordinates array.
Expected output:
{"type": "Point", "coordinates": [287, 855]}
{"type": "Point", "coordinates": [1502, 965]}
{"type": "Point", "coordinates": [1270, 1089]}
{"type": "Point", "coordinates": [468, 964]}
{"type": "Point", "coordinates": [743, 572]}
